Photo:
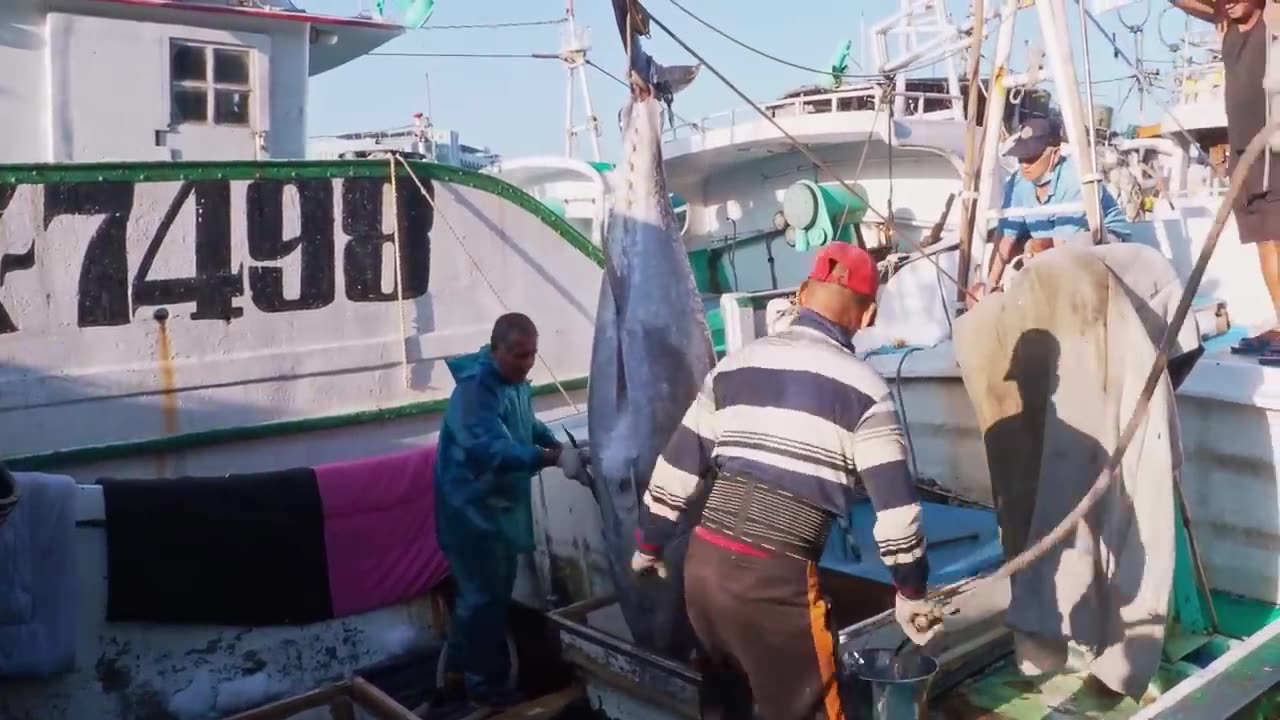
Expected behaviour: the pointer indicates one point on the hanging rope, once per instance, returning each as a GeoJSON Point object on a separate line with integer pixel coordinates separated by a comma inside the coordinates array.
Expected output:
{"type": "Point", "coordinates": [479, 270]}
{"type": "Point", "coordinates": [395, 235]}
{"type": "Point", "coordinates": [800, 146]}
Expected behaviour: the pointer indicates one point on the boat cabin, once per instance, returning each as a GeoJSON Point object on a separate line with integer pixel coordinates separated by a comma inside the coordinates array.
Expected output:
{"type": "Point", "coordinates": [164, 80]}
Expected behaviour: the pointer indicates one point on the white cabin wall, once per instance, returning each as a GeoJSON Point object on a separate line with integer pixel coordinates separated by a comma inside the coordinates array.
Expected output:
{"type": "Point", "coordinates": [290, 57]}
{"type": "Point", "coordinates": [88, 81]}
{"type": "Point", "coordinates": [109, 83]}
{"type": "Point", "coordinates": [24, 96]}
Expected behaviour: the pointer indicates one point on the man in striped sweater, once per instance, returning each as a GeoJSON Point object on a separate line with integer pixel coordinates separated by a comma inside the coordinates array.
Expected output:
{"type": "Point", "coordinates": [777, 435]}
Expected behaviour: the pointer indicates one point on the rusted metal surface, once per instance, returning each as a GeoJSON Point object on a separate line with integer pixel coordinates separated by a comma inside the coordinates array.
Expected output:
{"type": "Point", "coordinates": [611, 665]}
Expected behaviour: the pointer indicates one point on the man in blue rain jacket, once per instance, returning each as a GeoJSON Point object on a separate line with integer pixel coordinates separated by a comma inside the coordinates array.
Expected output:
{"type": "Point", "coordinates": [489, 448]}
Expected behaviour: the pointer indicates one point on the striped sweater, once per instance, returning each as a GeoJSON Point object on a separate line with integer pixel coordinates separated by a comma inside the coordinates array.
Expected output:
{"type": "Point", "coordinates": [799, 411]}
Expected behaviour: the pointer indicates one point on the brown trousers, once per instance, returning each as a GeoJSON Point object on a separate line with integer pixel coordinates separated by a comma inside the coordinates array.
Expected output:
{"type": "Point", "coordinates": [763, 616]}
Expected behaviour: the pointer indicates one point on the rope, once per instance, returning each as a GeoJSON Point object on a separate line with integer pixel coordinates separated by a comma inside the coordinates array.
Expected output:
{"type": "Point", "coordinates": [480, 271]}
{"type": "Point", "coordinates": [902, 409]}
{"type": "Point", "coordinates": [800, 146]}
{"type": "Point", "coordinates": [866, 145]}
{"type": "Point", "coordinates": [395, 235]}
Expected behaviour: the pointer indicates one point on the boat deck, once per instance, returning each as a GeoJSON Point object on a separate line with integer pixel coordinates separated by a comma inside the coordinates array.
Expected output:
{"type": "Point", "coordinates": [1003, 693]}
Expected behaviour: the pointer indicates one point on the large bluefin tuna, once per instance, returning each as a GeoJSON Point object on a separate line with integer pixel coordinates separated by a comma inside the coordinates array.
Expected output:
{"type": "Point", "coordinates": [651, 352]}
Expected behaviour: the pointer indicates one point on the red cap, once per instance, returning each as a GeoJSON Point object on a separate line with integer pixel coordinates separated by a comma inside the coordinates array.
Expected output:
{"type": "Point", "coordinates": [846, 264]}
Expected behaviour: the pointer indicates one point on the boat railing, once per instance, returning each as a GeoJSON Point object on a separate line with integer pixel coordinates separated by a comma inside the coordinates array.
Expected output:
{"type": "Point", "coordinates": [864, 99]}
{"type": "Point", "coordinates": [1201, 81]}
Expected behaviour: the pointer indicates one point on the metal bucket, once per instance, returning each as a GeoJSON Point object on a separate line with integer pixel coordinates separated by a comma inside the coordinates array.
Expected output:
{"type": "Point", "coordinates": [899, 682]}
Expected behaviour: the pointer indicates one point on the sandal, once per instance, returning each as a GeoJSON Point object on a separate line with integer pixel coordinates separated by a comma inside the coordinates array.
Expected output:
{"type": "Point", "coordinates": [1271, 356]}
{"type": "Point", "coordinates": [1259, 344]}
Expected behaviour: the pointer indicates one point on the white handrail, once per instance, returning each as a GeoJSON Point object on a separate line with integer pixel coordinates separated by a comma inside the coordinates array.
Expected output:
{"type": "Point", "coordinates": [804, 105]}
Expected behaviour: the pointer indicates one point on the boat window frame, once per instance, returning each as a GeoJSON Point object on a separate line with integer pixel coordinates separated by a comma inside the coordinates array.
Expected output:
{"type": "Point", "coordinates": [210, 86]}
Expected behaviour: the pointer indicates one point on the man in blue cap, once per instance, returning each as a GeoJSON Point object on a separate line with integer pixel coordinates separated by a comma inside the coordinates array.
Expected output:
{"type": "Point", "coordinates": [1045, 177]}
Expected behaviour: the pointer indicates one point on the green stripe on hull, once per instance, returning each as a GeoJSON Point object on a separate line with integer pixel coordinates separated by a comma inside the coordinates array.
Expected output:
{"type": "Point", "coordinates": [295, 170]}
{"type": "Point", "coordinates": [222, 436]}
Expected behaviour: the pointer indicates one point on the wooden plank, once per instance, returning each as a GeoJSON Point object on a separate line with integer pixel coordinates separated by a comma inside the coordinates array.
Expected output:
{"type": "Point", "coordinates": [543, 708]}
{"type": "Point", "coordinates": [378, 703]}
{"type": "Point", "coordinates": [287, 708]}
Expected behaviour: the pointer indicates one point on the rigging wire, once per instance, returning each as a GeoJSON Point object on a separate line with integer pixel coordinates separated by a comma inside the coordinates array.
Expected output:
{"type": "Point", "coordinates": [923, 63]}
{"type": "Point", "coordinates": [800, 146]}
{"type": "Point", "coordinates": [495, 26]}
{"type": "Point", "coordinates": [520, 56]}
{"type": "Point", "coordinates": [1142, 80]}
{"type": "Point", "coordinates": [764, 54]}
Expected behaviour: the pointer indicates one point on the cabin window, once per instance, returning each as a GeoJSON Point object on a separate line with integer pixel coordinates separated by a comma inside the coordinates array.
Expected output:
{"type": "Point", "coordinates": [210, 84]}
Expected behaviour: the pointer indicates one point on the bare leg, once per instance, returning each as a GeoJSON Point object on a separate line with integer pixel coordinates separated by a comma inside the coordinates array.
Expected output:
{"type": "Point", "coordinates": [1269, 261]}
{"type": "Point", "coordinates": [1001, 258]}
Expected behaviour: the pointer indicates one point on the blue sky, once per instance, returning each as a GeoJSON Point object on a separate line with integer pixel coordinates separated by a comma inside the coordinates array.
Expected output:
{"type": "Point", "coordinates": [516, 106]}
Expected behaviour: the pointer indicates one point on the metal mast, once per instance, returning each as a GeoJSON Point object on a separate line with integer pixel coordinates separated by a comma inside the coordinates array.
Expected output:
{"type": "Point", "coordinates": [574, 45]}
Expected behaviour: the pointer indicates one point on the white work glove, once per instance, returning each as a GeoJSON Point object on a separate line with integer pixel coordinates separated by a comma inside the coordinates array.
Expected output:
{"type": "Point", "coordinates": [573, 464]}
{"type": "Point", "coordinates": [643, 564]}
{"type": "Point", "coordinates": [921, 620]}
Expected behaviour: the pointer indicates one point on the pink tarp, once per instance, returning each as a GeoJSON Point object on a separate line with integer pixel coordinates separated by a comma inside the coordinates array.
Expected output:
{"type": "Point", "coordinates": [380, 530]}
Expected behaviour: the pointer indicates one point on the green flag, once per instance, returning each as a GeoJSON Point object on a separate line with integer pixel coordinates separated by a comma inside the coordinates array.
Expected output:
{"type": "Point", "coordinates": [413, 13]}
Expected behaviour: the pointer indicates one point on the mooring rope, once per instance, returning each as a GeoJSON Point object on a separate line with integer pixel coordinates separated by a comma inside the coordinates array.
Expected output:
{"type": "Point", "coordinates": [480, 271]}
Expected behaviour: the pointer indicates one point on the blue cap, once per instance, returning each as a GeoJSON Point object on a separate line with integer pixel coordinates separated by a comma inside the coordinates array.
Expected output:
{"type": "Point", "coordinates": [1034, 137]}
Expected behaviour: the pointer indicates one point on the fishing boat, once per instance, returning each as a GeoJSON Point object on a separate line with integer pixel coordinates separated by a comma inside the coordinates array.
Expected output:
{"type": "Point", "coordinates": [1225, 407]}
{"type": "Point", "coordinates": [202, 377]}
{"type": "Point", "coordinates": [183, 295]}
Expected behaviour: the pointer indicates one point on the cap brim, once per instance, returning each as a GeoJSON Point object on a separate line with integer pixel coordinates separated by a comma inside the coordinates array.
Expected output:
{"type": "Point", "coordinates": [1027, 149]}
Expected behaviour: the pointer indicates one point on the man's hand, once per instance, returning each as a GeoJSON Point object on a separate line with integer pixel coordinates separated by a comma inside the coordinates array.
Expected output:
{"type": "Point", "coordinates": [921, 620]}
{"type": "Point", "coordinates": [573, 463]}
{"type": "Point", "coordinates": [550, 456]}
{"type": "Point", "coordinates": [644, 564]}
{"type": "Point", "coordinates": [1037, 246]}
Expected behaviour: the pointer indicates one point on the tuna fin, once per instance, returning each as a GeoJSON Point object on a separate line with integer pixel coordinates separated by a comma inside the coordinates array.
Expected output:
{"type": "Point", "coordinates": [676, 77]}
